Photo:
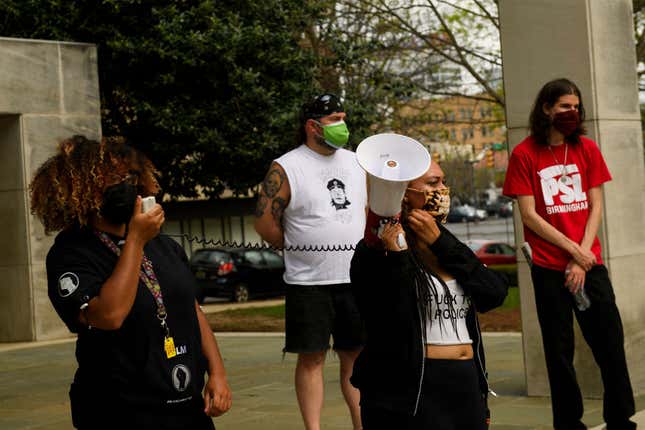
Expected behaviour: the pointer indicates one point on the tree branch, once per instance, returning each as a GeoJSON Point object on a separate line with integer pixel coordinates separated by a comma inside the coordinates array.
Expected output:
{"type": "Point", "coordinates": [461, 8]}
{"type": "Point", "coordinates": [464, 62]}
{"type": "Point", "coordinates": [493, 19]}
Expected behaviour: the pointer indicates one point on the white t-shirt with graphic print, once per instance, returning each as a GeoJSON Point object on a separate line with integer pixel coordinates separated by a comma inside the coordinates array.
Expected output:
{"type": "Point", "coordinates": [326, 209]}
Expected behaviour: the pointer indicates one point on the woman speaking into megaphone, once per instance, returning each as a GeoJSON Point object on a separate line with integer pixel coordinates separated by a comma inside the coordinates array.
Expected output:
{"type": "Point", "coordinates": [423, 363]}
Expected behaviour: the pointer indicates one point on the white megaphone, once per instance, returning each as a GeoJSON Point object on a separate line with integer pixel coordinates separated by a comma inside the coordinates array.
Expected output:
{"type": "Point", "coordinates": [391, 161]}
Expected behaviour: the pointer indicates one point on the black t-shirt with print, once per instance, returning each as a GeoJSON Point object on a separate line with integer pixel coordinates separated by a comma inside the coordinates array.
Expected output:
{"type": "Point", "coordinates": [128, 368]}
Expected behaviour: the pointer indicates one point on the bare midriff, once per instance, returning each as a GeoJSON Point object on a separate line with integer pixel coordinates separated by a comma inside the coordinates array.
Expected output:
{"type": "Point", "coordinates": [450, 352]}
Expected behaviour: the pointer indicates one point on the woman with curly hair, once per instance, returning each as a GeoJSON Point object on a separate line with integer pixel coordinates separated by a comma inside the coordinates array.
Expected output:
{"type": "Point", "coordinates": [143, 343]}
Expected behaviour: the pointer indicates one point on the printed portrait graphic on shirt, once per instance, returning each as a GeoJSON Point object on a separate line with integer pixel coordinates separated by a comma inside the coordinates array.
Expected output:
{"type": "Point", "coordinates": [336, 189]}
{"type": "Point", "coordinates": [335, 193]}
{"type": "Point", "coordinates": [562, 189]}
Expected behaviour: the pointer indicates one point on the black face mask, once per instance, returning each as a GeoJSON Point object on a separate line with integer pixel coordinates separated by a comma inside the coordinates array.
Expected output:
{"type": "Point", "coordinates": [118, 203]}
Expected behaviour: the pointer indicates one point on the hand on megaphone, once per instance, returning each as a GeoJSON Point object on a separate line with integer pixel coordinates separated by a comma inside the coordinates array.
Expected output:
{"type": "Point", "coordinates": [393, 237]}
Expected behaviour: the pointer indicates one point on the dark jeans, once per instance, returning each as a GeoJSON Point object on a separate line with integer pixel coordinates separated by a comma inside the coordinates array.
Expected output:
{"type": "Point", "coordinates": [451, 400]}
{"type": "Point", "coordinates": [603, 331]}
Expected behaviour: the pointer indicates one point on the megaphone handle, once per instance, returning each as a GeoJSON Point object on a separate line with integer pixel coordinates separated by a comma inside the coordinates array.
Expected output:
{"type": "Point", "coordinates": [374, 224]}
{"type": "Point", "coordinates": [400, 240]}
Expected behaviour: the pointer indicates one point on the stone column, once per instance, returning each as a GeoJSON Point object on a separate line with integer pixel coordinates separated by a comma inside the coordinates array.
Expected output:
{"type": "Point", "coordinates": [48, 91]}
{"type": "Point", "coordinates": [592, 43]}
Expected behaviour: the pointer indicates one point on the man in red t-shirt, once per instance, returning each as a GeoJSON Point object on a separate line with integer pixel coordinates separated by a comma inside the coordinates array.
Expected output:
{"type": "Point", "coordinates": [556, 175]}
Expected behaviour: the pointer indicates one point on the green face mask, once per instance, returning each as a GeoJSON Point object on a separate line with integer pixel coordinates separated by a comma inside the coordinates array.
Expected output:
{"type": "Point", "coordinates": [336, 135]}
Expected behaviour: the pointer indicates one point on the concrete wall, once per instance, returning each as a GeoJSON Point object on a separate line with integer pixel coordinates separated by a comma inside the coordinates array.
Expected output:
{"type": "Point", "coordinates": [48, 91]}
{"type": "Point", "coordinates": [590, 42]}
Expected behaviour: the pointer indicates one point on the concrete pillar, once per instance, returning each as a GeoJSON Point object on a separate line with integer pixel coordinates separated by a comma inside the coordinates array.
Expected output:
{"type": "Point", "coordinates": [48, 91]}
{"type": "Point", "coordinates": [592, 43]}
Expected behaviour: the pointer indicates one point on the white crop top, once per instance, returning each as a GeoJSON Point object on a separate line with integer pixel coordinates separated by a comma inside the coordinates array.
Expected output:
{"type": "Point", "coordinates": [439, 328]}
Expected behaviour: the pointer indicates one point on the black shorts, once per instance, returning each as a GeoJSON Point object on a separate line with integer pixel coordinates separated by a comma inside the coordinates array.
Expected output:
{"type": "Point", "coordinates": [314, 312]}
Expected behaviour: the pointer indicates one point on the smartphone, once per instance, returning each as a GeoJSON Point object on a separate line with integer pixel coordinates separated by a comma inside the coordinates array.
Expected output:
{"type": "Point", "coordinates": [147, 203]}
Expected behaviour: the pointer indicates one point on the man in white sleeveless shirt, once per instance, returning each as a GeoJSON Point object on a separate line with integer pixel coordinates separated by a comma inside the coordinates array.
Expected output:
{"type": "Point", "coordinates": [312, 203]}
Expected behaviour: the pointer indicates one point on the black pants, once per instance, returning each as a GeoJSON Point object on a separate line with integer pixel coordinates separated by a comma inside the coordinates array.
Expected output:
{"type": "Point", "coordinates": [451, 400]}
{"type": "Point", "coordinates": [100, 410]}
{"type": "Point", "coordinates": [603, 331]}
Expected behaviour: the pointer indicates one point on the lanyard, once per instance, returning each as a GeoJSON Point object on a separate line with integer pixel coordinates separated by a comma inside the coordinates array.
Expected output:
{"type": "Point", "coordinates": [147, 276]}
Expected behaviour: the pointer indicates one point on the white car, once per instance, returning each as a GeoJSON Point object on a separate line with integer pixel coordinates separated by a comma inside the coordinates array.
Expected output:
{"type": "Point", "coordinates": [481, 214]}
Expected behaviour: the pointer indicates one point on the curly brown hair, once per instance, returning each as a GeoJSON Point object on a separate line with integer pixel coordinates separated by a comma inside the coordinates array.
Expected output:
{"type": "Point", "coordinates": [68, 188]}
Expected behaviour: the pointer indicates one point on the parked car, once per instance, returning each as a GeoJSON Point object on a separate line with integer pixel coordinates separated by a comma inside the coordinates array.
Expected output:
{"type": "Point", "coordinates": [464, 213]}
{"type": "Point", "coordinates": [481, 214]}
{"type": "Point", "coordinates": [238, 274]}
{"type": "Point", "coordinates": [505, 210]}
{"type": "Point", "coordinates": [498, 256]}
{"type": "Point", "coordinates": [501, 207]}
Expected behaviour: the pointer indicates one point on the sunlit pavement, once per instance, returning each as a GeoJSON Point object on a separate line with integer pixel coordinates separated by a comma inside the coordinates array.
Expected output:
{"type": "Point", "coordinates": [35, 378]}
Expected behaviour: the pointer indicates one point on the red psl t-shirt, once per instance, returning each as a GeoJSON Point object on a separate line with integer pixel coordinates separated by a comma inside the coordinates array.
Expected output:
{"type": "Point", "coordinates": [534, 170]}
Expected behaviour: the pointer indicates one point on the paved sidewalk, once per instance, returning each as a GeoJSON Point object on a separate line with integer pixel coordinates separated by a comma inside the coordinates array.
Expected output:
{"type": "Point", "coordinates": [34, 381]}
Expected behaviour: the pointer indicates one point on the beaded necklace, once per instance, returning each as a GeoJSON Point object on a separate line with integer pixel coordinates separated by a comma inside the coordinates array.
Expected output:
{"type": "Point", "coordinates": [564, 176]}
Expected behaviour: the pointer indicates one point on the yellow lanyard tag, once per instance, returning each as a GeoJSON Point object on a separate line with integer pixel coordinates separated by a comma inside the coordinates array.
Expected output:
{"type": "Point", "coordinates": [169, 346]}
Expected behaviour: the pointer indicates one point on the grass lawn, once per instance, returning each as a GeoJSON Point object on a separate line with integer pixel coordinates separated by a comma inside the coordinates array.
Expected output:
{"type": "Point", "coordinates": [276, 311]}
{"type": "Point", "coordinates": [512, 300]}
{"type": "Point", "coordinates": [271, 318]}
{"type": "Point", "coordinates": [264, 319]}
{"type": "Point", "coordinates": [506, 317]}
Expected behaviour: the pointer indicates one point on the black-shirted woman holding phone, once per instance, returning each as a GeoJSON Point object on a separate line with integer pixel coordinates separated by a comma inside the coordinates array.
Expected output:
{"type": "Point", "coordinates": [143, 343]}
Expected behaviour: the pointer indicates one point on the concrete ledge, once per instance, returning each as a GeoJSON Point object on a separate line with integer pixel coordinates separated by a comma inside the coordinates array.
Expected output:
{"type": "Point", "coordinates": [14, 346]}
{"type": "Point", "coordinates": [228, 306]}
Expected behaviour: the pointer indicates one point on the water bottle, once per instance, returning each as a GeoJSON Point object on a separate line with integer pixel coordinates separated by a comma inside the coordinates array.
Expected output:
{"type": "Point", "coordinates": [582, 300]}
{"type": "Point", "coordinates": [580, 297]}
{"type": "Point", "coordinates": [528, 254]}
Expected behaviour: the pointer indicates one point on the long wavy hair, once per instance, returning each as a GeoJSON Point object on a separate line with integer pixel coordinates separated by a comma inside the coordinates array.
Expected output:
{"type": "Point", "coordinates": [427, 292]}
{"type": "Point", "coordinates": [540, 123]}
{"type": "Point", "coordinates": [68, 188]}
{"type": "Point", "coordinates": [428, 287]}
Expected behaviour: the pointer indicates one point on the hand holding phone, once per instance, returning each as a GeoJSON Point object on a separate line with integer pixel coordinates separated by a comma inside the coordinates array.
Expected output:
{"type": "Point", "coordinates": [147, 203]}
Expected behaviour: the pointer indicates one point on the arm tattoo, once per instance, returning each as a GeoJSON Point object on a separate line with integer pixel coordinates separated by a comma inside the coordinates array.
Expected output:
{"type": "Point", "coordinates": [277, 209]}
{"type": "Point", "coordinates": [261, 205]}
{"type": "Point", "coordinates": [273, 182]}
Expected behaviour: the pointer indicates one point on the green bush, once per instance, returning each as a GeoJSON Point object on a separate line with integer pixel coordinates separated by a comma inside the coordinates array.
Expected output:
{"type": "Point", "coordinates": [512, 300]}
